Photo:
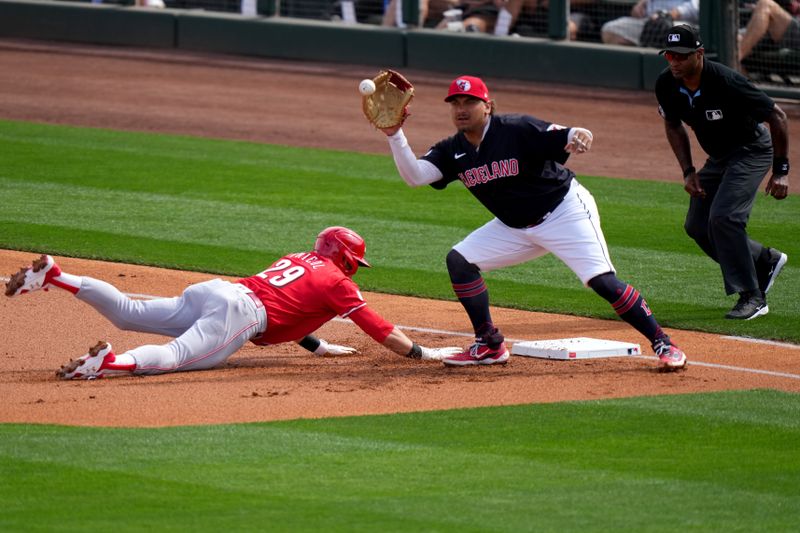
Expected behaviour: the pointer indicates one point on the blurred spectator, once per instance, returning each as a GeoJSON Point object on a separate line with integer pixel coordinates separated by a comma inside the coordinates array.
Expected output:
{"type": "Point", "coordinates": [393, 14]}
{"type": "Point", "coordinates": [628, 30]}
{"type": "Point", "coordinates": [771, 20]}
{"type": "Point", "coordinates": [582, 24]}
{"type": "Point", "coordinates": [430, 13]}
{"type": "Point", "coordinates": [533, 19]}
{"type": "Point", "coordinates": [484, 16]}
{"type": "Point", "coordinates": [346, 11]}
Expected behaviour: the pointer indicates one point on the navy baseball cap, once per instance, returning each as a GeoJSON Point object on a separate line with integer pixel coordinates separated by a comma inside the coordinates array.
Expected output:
{"type": "Point", "coordinates": [682, 39]}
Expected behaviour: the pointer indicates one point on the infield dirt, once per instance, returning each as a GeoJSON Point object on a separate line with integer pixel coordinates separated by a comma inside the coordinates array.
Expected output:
{"type": "Point", "coordinates": [269, 101]}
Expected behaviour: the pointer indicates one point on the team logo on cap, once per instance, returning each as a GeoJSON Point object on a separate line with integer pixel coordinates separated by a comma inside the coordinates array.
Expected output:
{"type": "Point", "coordinates": [674, 38]}
{"type": "Point", "coordinates": [463, 85]}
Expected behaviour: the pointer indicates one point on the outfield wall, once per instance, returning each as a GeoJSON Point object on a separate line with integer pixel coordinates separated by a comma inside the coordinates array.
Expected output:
{"type": "Point", "coordinates": [518, 58]}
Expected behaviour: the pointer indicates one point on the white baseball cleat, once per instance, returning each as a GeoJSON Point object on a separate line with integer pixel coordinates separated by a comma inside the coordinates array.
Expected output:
{"type": "Point", "coordinates": [88, 366]}
{"type": "Point", "coordinates": [37, 276]}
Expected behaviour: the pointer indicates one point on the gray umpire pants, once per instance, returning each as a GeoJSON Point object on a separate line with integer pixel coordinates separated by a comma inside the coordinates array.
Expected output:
{"type": "Point", "coordinates": [718, 222]}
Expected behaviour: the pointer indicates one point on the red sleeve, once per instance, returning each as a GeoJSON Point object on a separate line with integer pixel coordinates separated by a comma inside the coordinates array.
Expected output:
{"type": "Point", "coordinates": [344, 297]}
{"type": "Point", "coordinates": [372, 323]}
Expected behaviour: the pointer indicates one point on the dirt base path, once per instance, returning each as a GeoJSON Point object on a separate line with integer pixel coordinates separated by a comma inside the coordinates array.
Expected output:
{"type": "Point", "coordinates": [45, 329]}
{"type": "Point", "coordinates": [316, 105]}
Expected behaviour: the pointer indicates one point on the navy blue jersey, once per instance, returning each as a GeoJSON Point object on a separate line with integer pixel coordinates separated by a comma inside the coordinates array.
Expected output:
{"type": "Point", "coordinates": [517, 173]}
{"type": "Point", "coordinates": [724, 111]}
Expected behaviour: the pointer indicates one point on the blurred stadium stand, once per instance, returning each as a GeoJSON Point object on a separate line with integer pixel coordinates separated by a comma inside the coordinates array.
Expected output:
{"type": "Point", "coordinates": [768, 65]}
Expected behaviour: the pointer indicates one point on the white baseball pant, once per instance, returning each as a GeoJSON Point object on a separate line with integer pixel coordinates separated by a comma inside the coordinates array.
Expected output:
{"type": "Point", "coordinates": [210, 321]}
{"type": "Point", "coordinates": [572, 233]}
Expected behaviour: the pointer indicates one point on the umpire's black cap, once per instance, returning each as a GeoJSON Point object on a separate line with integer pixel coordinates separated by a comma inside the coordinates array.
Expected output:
{"type": "Point", "coordinates": [682, 39]}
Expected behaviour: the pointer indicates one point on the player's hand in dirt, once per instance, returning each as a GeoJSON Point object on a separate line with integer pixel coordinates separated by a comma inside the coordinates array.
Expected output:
{"type": "Point", "coordinates": [437, 354]}
{"type": "Point", "coordinates": [336, 349]}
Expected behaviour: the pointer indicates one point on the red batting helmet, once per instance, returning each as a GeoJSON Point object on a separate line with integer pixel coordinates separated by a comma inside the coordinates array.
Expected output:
{"type": "Point", "coordinates": [343, 246]}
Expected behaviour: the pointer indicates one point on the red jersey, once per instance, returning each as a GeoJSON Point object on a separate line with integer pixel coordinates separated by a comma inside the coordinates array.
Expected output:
{"type": "Point", "coordinates": [303, 291]}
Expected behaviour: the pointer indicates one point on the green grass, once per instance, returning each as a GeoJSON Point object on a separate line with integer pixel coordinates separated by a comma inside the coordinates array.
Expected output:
{"type": "Point", "coordinates": [708, 462]}
{"type": "Point", "coordinates": [715, 462]}
{"type": "Point", "coordinates": [232, 207]}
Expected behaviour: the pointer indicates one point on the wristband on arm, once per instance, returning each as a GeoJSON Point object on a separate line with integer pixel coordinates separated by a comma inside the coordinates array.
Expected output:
{"type": "Point", "coordinates": [688, 171]}
{"type": "Point", "coordinates": [780, 166]}
{"type": "Point", "coordinates": [313, 345]}
{"type": "Point", "coordinates": [415, 352]}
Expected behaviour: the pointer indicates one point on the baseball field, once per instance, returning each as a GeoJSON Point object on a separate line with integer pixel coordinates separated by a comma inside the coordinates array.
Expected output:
{"type": "Point", "coordinates": [154, 171]}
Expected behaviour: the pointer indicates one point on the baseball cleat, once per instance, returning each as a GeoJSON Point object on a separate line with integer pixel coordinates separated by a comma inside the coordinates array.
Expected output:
{"type": "Point", "coordinates": [37, 276]}
{"type": "Point", "coordinates": [670, 357]}
{"type": "Point", "coordinates": [748, 307]}
{"type": "Point", "coordinates": [88, 366]}
{"type": "Point", "coordinates": [777, 262]}
{"type": "Point", "coordinates": [479, 354]}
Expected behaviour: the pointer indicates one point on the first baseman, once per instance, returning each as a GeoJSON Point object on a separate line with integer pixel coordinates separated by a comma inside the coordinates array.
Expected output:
{"type": "Point", "coordinates": [514, 166]}
{"type": "Point", "coordinates": [211, 320]}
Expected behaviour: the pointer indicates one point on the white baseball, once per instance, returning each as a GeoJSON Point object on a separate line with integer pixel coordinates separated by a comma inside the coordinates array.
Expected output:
{"type": "Point", "coordinates": [366, 87]}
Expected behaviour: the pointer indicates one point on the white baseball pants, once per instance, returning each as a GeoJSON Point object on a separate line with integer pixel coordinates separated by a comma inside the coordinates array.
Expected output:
{"type": "Point", "coordinates": [210, 322]}
{"type": "Point", "coordinates": [572, 233]}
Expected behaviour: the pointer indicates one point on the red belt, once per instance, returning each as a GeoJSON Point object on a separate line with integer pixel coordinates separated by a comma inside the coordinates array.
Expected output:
{"type": "Point", "coordinates": [257, 301]}
{"type": "Point", "coordinates": [255, 298]}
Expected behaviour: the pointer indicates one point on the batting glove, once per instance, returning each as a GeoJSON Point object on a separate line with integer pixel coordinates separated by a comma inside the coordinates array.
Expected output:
{"type": "Point", "coordinates": [333, 349]}
{"type": "Point", "coordinates": [437, 354]}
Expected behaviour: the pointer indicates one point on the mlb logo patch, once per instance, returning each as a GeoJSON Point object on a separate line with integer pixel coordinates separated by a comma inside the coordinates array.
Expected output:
{"type": "Point", "coordinates": [674, 38]}
{"type": "Point", "coordinates": [714, 114]}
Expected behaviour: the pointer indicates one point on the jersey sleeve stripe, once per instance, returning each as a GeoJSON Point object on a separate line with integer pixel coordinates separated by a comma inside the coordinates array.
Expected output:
{"type": "Point", "coordinates": [353, 310]}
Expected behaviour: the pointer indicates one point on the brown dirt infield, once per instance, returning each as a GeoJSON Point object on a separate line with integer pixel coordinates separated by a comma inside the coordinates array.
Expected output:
{"type": "Point", "coordinates": [271, 101]}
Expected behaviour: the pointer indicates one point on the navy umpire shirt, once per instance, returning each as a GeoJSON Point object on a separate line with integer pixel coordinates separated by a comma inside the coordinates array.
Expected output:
{"type": "Point", "coordinates": [724, 111]}
{"type": "Point", "coordinates": [516, 173]}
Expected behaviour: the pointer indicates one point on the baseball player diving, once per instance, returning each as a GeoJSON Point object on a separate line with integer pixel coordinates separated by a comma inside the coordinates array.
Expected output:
{"type": "Point", "coordinates": [514, 166]}
{"type": "Point", "coordinates": [212, 320]}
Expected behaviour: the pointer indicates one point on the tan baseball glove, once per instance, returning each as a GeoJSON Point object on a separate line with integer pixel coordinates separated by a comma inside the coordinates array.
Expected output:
{"type": "Point", "coordinates": [386, 107]}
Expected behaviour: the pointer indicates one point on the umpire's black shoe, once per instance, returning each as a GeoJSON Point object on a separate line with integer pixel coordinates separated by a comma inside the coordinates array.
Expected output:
{"type": "Point", "coordinates": [750, 305]}
{"type": "Point", "coordinates": [766, 276]}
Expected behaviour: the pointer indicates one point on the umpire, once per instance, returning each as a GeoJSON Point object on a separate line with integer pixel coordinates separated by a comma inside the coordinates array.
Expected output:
{"type": "Point", "coordinates": [727, 114]}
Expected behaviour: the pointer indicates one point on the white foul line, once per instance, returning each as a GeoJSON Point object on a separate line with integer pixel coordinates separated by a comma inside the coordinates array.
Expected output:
{"type": "Point", "coordinates": [692, 362]}
{"type": "Point", "coordinates": [740, 369]}
{"type": "Point", "coordinates": [763, 341]}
